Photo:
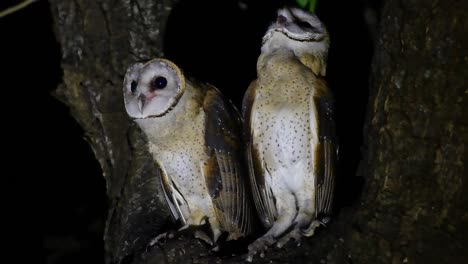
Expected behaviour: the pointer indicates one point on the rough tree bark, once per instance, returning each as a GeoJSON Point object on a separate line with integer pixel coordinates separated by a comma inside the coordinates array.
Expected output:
{"type": "Point", "coordinates": [99, 40]}
{"type": "Point", "coordinates": [414, 208]}
{"type": "Point", "coordinates": [414, 205]}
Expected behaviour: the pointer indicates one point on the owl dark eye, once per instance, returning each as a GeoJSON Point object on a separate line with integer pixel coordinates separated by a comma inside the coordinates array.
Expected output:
{"type": "Point", "coordinates": [159, 83]}
{"type": "Point", "coordinates": [305, 25]}
{"type": "Point", "coordinates": [308, 27]}
{"type": "Point", "coordinates": [133, 86]}
{"type": "Point", "coordinates": [281, 19]}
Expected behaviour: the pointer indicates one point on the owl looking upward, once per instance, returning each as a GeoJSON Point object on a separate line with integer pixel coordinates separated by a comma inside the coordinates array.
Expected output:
{"type": "Point", "coordinates": [290, 131]}
{"type": "Point", "coordinates": [193, 136]}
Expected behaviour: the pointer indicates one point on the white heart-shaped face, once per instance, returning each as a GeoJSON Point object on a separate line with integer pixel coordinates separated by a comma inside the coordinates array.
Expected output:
{"type": "Point", "coordinates": [153, 88]}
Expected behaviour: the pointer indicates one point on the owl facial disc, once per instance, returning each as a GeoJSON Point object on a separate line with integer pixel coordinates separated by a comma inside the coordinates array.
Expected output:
{"type": "Point", "coordinates": [152, 89]}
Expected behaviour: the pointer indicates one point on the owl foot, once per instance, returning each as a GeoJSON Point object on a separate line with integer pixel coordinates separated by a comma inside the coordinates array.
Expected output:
{"type": "Point", "coordinates": [259, 246]}
{"type": "Point", "coordinates": [204, 237]}
{"type": "Point", "coordinates": [316, 223]}
{"type": "Point", "coordinates": [161, 238]}
{"type": "Point", "coordinates": [215, 249]}
{"type": "Point", "coordinates": [295, 234]}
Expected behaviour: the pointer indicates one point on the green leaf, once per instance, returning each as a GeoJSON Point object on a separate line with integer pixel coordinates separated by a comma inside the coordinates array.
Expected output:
{"type": "Point", "coordinates": [312, 4]}
{"type": "Point", "coordinates": [302, 3]}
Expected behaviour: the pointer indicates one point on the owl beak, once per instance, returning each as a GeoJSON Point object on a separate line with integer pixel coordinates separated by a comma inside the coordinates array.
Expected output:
{"type": "Point", "coordinates": [141, 103]}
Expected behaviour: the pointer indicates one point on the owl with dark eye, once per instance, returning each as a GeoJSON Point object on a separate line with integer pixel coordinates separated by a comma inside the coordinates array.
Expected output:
{"type": "Point", "coordinates": [194, 138]}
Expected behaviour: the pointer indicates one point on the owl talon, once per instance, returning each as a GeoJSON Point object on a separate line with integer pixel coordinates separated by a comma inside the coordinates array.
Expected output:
{"type": "Point", "coordinates": [325, 221]}
{"type": "Point", "coordinates": [311, 229]}
{"type": "Point", "coordinates": [204, 237]}
{"type": "Point", "coordinates": [215, 249]}
{"type": "Point", "coordinates": [260, 245]}
{"type": "Point", "coordinates": [295, 235]}
{"type": "Point", "coordinates": [184, 227]}
{"type": "Point", "coordinates": [159, 239]}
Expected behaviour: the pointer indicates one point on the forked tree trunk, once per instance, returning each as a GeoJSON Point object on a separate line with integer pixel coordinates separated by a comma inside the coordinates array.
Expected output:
{"type": "Point", "coordinates": [414, 205]}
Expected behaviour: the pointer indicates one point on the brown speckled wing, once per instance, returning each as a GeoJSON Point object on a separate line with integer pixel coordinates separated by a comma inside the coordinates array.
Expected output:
{"type": "Point", "coordinates": [262, 194]}
{"type": "Point", "coordinates": [326, 152]}
{"type": "Point", "coordinates": [224, 172]}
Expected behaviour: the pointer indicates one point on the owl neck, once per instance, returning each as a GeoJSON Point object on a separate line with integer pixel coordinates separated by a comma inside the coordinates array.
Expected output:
{"type": "Point", "coordinates": [174, 120]}
{"type": "Point", "coordinates": [311, 54]}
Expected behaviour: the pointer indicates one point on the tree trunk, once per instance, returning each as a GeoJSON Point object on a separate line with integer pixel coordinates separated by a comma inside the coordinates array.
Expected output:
{"type": "Point", "coordinates": [414, 205]}
{"type": "Point", "coordinates": [412, 209]}
{"type": "Point", "coordinates": [99, 40]}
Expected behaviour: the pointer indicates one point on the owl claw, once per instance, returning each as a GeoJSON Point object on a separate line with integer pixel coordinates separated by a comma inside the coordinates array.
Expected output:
{"type": "Point", "coordinates": [294, 234]}
{"type": "Point", "coordinates": [325, 221]}
{"type": "Point", "coordinates": [204, 237]}
{"type": "Point", "coordinates": [184, 227]}
{"type": "Point", "coordinates": [311, 229]}
{"type": "Point", "coordinates": [259, 245]}
{"type": "Point", "coordinates": [162, 238]}
{"type": "Point", "coordinates": [215, 249]}
{"type": "Point", "coordinates": [157, 239]}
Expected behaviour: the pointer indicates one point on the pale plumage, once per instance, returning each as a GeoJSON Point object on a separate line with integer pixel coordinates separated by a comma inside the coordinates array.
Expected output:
{"type": "Point", "coordinates": [193, 135]}
{"type": "Point", "coordinates": [289, 130]}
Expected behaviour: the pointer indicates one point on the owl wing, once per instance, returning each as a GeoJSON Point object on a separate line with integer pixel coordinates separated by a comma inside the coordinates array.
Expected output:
{"type": "Point", "coordinates": [326, 151]}
{"type": "Point", "coordinates": [224, 173]}
{"type": "Point", "coordinates": [262, 194]}
{"type": "Point", "coordinates": [172, 196]}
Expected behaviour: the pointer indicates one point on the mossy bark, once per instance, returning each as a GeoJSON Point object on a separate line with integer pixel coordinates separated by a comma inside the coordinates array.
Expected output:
{"type": "Point", "coordinates": [414, 205]}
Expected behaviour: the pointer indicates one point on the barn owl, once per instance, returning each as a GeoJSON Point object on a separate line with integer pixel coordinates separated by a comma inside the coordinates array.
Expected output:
{"type": "Point", "coordinates": [194, 137]}
{"type": "Point", "coordinates": [290, 131]}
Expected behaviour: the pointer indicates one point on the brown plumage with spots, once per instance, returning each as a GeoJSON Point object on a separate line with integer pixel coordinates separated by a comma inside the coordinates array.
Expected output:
{"type": "Point", "coordinates": [194, 137]}
{"type": "Point", "coordinates": [289, 130]}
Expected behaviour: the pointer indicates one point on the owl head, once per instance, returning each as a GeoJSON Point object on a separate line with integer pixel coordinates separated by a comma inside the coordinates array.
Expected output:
{"type": "Point", "coordinates": [152, 89]}
{"type": "Point", "coordinates": [297, 30]}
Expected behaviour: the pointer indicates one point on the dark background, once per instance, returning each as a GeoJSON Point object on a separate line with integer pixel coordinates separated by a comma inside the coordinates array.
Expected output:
{"type": "Point", "coordinates": [57, 202]}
